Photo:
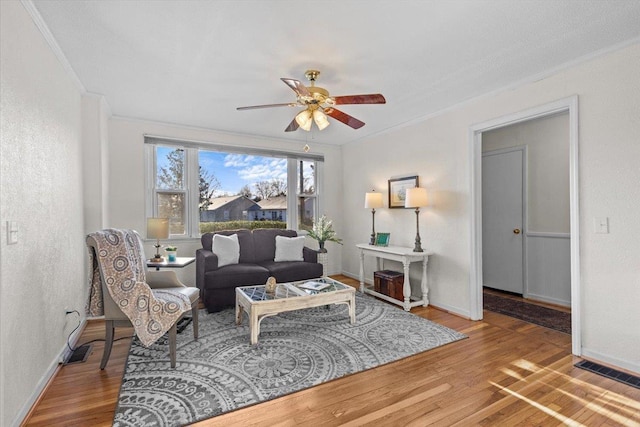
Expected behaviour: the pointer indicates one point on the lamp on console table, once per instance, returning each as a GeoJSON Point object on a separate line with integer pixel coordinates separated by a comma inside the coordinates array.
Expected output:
{"type": "Point", "coordinates": [416, 198]}
{"type": "Point", "coordinates": [372, 201]}
{"type": "Point", "coordinates": [157, 228]}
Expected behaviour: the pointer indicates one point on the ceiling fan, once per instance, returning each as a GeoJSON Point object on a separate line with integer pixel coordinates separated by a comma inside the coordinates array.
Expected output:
{"type": "Point", "coordinates": [318, 104]}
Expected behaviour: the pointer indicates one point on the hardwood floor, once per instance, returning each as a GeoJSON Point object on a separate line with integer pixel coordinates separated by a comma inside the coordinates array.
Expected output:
{"type": "Point", "coordinates": [507, 373]}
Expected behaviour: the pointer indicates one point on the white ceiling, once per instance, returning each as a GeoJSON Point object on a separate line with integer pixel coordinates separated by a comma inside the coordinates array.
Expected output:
{"type": "Point", "coordinates": [193, 62]}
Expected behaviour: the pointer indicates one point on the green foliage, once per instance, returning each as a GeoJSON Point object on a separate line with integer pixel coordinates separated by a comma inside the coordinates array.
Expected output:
{"type": "Point", "coordinates": [323, 231]}
{"type": "Point", "coordinates": [210, 227]}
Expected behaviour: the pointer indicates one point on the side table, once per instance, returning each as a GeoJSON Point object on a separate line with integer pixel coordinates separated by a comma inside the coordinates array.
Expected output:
{"type": "Point", "coordinates": [178, 263]}
{"type": "Point", "coordinates": [323, 258]}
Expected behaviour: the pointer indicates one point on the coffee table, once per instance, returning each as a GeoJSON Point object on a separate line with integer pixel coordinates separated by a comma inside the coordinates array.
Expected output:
{"type": "Point", "coordinates": [258, 303]}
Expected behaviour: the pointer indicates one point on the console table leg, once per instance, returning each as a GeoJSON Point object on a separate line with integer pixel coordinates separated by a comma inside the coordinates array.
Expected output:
{"type": "Point", "coordinates": [406, 286]}
{"type": "Point", "coordinates": [424, 284]}
{"type": "Point", "coordinates": [361, 271]}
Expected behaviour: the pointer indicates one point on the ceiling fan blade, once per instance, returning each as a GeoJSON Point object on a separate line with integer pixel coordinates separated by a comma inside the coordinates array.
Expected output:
{"type": "Point", "coordinates": [297, 86]}
{"type": "Point", "coordinates": [344, 118]}
{"type": "Point", "coordinates": [255, 107]}
{"type": "Point", "coordinates": [293, 126]}
{"type": "Point", "coordinates": [375, 98]}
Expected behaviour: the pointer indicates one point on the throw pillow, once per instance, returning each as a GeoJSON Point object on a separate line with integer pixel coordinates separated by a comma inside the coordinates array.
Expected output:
{"type": "Point", "coordinates": [226, 248]}
{"type": "Point", "coordinates": [289, 248]}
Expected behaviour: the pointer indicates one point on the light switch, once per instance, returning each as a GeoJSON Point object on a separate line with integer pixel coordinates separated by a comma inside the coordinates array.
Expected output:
{"type": "Point", "coordinates": [601, 225]}
{"type": "Point", "coordinates": [12, 232]}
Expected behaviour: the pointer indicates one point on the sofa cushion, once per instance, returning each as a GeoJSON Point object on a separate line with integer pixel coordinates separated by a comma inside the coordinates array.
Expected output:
{"type": "Point", "coordinates": [264, 240]}
{"type": "Point", "coordinates": [289, 249]}
{"type": "Point", "coordinates": [226, 248]}
{"type": "Point", "coordinates": [231, 276]}
{"type": "Point", "coordinates": [245, 239]}
{"type": "Point", "coordinates": [290, 271]}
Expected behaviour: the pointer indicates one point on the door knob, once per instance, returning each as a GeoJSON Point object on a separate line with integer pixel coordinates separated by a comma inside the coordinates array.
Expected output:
{"type": "Point", "coordinates": [516, 231]}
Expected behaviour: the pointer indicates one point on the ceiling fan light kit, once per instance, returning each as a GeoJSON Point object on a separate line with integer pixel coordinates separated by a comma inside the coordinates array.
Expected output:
{"type": "Point", "coordinates": [318, 104]}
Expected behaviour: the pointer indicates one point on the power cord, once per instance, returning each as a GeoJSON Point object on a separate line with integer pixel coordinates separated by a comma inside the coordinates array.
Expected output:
{"type": "Point", "coordinates": [88, 342]}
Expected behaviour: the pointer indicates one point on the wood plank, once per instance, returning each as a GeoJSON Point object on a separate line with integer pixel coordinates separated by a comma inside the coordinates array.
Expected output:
{"type": "Point", "coordinates": [508, 372]}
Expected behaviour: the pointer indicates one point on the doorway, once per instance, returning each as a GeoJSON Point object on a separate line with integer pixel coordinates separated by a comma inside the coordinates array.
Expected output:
{"type": "Point", "coordinates": [569, 105]}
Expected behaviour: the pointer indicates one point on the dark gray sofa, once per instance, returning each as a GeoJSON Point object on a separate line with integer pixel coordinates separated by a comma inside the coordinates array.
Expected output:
{"type": "Point", "coordinates": [257, 251]}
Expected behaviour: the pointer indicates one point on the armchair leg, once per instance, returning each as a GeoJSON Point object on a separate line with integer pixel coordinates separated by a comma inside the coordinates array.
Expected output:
{"type": "Point", "coordinates": [194, 319]}
{"type": "Point", "coordinates": [173, 333]}
{"type": "Point", "coordinates": [108, 342]}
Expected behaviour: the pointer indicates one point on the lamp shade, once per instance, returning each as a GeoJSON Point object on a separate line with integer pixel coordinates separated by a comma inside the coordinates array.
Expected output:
{"type": "Point", "coordinates": [373, 200]}
{"type": "Point", "coordinates": [157, 228]}
{"type": "Point", "coordinates": [416, 198]}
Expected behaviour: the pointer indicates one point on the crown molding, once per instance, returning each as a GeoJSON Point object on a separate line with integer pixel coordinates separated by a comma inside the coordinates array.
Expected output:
{"type": "Point", "coordinates": [568, 65]}
{"type": "Point", "coordinates": [52, 42]}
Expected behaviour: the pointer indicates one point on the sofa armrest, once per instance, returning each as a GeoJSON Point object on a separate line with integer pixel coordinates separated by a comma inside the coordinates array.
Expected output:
{"type": "Point", "coordinates": [309, 255]}
{"type": "Point", "coordinates": [205, 261]}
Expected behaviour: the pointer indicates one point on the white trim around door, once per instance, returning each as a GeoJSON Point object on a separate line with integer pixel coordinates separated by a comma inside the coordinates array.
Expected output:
{"type": "Point", "coordinates": [569, 105]}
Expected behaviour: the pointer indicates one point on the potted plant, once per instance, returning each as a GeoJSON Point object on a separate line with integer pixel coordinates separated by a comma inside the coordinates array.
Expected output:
{"type": "Point", "coordinates": [323, 231]}
{"type": "Point", "coordinates": [172, 253]}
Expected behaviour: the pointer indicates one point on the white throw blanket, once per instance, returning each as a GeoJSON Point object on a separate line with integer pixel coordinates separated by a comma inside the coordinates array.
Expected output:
{"type": "Point", "coordinates": [120, 255]}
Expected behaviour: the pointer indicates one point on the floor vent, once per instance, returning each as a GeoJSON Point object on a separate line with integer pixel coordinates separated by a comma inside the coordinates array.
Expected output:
{"type": "Point", "coordinates": [80, 354]}
{"type": "Point", "coordinates": [613, 374]}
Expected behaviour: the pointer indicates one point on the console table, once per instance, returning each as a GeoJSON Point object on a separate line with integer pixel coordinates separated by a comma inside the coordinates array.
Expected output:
{"type": "Point", "coordinates": [404, 255]}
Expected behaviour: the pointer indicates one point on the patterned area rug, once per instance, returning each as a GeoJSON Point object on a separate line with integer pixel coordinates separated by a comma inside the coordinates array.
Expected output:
{"type": "Point", "coordinates": [532, 313]}
{"type": "Point", "coordinates": [221, 371]}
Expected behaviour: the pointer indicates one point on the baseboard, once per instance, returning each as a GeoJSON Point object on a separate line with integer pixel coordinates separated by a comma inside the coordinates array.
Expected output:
{"type": "Point", "coordinates": [549, 300]}
{"type": "Point", "coordinates": [611, 361]}
{"type": "Point", "coordinates": [46, 378]}
{"type": "Point", "coordinates": [456, 311]}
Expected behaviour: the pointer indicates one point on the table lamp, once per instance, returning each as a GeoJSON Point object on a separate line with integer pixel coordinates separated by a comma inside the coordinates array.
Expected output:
{"type": "Point", "coordinates": [372, 201]}
{"type": "Point", "coordinates": [157, 228]}
{"type": "Point", "coordinates": [416, 198]}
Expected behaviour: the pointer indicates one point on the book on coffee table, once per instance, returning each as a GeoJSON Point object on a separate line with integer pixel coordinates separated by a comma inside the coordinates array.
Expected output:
{"type": "Point", "coordinates": [314, 286]}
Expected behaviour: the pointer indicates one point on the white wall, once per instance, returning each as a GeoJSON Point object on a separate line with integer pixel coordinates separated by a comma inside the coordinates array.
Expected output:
{"type": "Point", "coordinates": [41, 189]}
{"type": "Point", "coordinates": [95, 160]}
{"type": "Point", "coordinates": [126, 178]}
{"type": "Point", "coordinates": [438, 150]}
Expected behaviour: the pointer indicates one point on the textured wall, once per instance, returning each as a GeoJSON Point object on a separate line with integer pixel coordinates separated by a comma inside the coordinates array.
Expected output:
{"type": "Point", "coordinates": [41, 189]}
{"type": "Point", "coordinates": [437, 149]}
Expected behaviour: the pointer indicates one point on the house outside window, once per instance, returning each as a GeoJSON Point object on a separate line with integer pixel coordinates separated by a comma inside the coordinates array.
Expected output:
{"type": "Point", "coordinates": [201, 189]}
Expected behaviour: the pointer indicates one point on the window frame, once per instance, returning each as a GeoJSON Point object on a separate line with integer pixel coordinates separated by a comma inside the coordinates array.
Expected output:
{"type": "Point", "coordinates": [192, 180]}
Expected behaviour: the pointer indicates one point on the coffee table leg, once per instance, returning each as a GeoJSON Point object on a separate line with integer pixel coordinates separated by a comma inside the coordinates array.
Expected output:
{"type": "Point", "coordinates": [239, 312]}
{"type": "Point", "coordinates": [352, 309]}
{"type": "Point", "coordinates": [254, 326]}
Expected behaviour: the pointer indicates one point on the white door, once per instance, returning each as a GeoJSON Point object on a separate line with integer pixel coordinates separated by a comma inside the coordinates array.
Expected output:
{"type": "Point", "coordinates": [502, 219]}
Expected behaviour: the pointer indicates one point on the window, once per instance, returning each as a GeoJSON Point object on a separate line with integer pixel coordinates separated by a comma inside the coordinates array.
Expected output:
{"type": "Point", "coordinates": [200, 188]}
{"type": "Point", "coordinates": [306, 194]}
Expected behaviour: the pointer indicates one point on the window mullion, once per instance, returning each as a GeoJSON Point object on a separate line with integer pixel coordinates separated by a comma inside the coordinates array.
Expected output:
{"type": "Point", "coordinates": [193, 190]}
{"type": "Point", "coordinates": [150, 181]}
{"type": "Point", "coordinates": [292, 200]}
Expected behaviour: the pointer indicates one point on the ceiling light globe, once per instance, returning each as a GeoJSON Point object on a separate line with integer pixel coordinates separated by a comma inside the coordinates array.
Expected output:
{"type": "Point", "coordinates": [304, 120]}
{"type": "Point", "coordinates": [321, 119]}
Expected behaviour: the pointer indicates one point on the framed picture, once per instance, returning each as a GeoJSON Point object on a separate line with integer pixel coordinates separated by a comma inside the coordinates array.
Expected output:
{"type": "Point", "coordinates": [382, 239]}
{"type": "Point", "coordinates": [398, 188]}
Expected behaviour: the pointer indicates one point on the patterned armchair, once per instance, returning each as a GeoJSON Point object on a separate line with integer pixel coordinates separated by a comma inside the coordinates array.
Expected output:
{"type": "Point", "coordinates": [128, 295]}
